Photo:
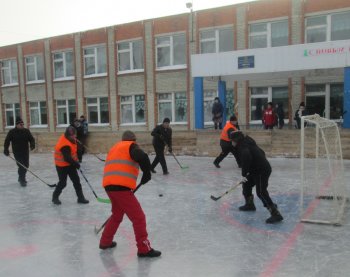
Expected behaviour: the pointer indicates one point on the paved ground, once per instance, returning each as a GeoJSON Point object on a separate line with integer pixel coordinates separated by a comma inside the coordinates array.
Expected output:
{"type": "Point", "coordinates": [197, 236]}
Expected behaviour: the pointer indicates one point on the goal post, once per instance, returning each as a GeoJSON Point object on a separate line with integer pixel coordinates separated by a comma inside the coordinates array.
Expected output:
{"type": "Point", "coordinates": [323, 191]}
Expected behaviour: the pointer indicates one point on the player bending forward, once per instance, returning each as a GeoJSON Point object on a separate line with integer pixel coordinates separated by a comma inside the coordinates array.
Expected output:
{"type": "Point", "coordinates": [257, 169]}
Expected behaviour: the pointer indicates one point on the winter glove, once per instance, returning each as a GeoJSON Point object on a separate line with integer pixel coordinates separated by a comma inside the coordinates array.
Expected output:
{"type": "Point", "coordinates": [145, 178]}
{"type": "Point", "coordinates": [244, 180]}
{"type": "Point", "coordinates": [6, 152]}
{"type": "Point", "coordinates": [32, 147]}
{"type": "Point", "coordinates": [170, 150]}
{"type": "Point", "coordinates": [77, 165]}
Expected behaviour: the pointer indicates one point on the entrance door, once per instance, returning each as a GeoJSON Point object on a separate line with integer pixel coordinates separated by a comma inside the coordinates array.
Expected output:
{"type": "Point", "coordinates": [316, 104]}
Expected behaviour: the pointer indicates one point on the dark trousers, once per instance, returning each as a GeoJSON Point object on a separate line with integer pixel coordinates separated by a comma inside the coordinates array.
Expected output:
{"type": "Point", "coordinates": [261, 182]}
{"type": "Point", "coordinates": [63, 173]}
{"type": "Point", "coordinates": [24, 160]}
{"type": "Point", "coordinates": [226, 148]}
{"type": "Point", "coordinates": [160, 158]}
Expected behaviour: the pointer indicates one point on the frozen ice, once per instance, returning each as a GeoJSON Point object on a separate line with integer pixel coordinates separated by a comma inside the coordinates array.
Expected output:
{"type": "Point", "coordinates": [197, 236]}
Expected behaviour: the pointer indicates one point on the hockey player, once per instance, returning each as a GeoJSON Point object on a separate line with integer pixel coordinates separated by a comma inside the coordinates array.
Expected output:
{"type": "Point", "coordinates": [19, 137]}
{"type": "Point", "coordinates": [225, 141]}
{"type": "Point", "coordinates": [257, 169]}
{"type": "Point", "coordinates": [119, 180]}
{"type": "Point", "coordinates": [162, 135]}
{"type": "Point", "coordinates": [66, 161]}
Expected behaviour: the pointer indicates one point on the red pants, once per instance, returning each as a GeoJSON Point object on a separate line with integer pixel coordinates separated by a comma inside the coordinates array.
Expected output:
{"type": "Point", "coordinates": [125, 202]}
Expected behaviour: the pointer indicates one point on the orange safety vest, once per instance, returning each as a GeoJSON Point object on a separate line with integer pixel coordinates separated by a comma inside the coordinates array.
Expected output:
{"type": "Point", "coordinates": [228, 126]}
{"type": "Point", "coordinates": [120, 169]}
{"type": "Point", "coordinates": [59, 160]}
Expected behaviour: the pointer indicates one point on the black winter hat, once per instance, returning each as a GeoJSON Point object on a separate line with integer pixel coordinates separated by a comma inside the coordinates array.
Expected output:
{"type": "Point", "coordinates": [166, 120]}
{"type": "Point", "coordinates": [233, 118]}
{"type": "Point", "coordinates": [128, 136]}
{"type": "Point", "coordinates": [18, 120]}
{"type": "Point", "coordinates": [70, 130]}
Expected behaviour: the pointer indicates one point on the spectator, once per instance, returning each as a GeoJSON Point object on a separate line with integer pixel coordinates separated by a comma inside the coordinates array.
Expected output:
{"type": "Point", "coordinates": [269, 117]}
{"type": "Point", "coordinates": [301, 111]}
{"type": "Point", "coordinates": [280, 115]}
{"type": "Point", "coordinates": [217, 112]}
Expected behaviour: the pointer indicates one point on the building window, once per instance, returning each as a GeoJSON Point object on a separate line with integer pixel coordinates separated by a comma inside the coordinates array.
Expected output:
{"type": "Point", "coordinates": [34, 68]}
{"type": "Point", "coordinates": [65, 111]}
{"type": "Point", "coordinates": [172, 105]}
{"type": "Point", "coordinates": [209, 96]}
{"type": "Point", "coordinates": [130, 56]}
{"type": "Point", "coordinates": [12, 111]}
{"type": "Point", "coordinates": [270, 34]}
{"type": "Point", "coordinates": [97, 108]}
{"type": "Point", "coordinates": [327, 27]}
{"type": "Point", "coordinates": [63, 65]}
{"type": "Point", "coordinates": [9, 72]}
{"type": "Point", "coordinates": [132, 109]}
{"type": "Point", "coordinates": [215, 41]}
{"type": "Point", "coordinates": [38, 113]}
{"type": "Point", "coordinates": [95, 62]}
{"type": "Point", "coordinates": [171, 51]}
{"type": "Point", "coordinates": [336, 101]}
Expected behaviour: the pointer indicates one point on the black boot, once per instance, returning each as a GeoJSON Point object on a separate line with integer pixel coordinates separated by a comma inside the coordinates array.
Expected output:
{"type": "Point", "coordinates": [81, 198]}
{"type": "Point", "coordinates": [55, 199]}
{"type": "Point", "coordinates": [150, 254]}
{"type": "Point", "coordinates": [216, 164]}
{"type": "Point", "coordinates": [275, 215]}
{"type": "Point", "coordinates": [112, 245]}
{"type": "Point", "coordinates": [249, 204]}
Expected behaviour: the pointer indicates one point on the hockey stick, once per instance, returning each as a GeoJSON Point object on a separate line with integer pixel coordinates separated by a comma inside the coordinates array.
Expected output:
{"type": "Point", "coordinates": [102, 200]}
{"type": "Point", "coordinates": [97, 230]}
{"type": "Point", "coordinates": [226, 192]}
{"type": "Point", "coordinates": [102, 160]}
{"type": "Point", "coordinates": [51, 186]}
{"type": "Point", "coordinates": [182, 167]}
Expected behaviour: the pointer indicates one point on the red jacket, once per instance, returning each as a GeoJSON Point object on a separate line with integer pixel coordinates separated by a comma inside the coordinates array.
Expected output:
{"type": "Point", "coordinates": [269, 117]}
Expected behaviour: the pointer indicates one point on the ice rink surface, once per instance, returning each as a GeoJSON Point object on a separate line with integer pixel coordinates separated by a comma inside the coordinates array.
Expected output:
{"type": "Point", "coordinates": [197, 236]}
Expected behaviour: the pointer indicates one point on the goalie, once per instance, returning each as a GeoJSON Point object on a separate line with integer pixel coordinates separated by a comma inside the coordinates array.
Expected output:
{"type": "Point", "coordinates": [257, 169]}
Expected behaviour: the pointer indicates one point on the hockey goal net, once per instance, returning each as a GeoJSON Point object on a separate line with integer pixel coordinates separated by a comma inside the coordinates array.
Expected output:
{"type": "Point", "coordinates": [323, 191]}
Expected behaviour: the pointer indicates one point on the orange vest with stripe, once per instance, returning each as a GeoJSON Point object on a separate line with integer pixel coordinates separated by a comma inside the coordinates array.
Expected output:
{"type": "Point", "coordinates": [59, 160]}
{"type": "Point", "coordinates": [224, 135]}
{"type": "Point", "coordinates": [120, 169]}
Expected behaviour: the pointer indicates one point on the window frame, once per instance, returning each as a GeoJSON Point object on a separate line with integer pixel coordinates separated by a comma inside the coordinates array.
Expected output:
{"type": "Point", "coordinates": [10, 69]}
{"type": "Point", "coordinates": [268, 32]}
{"type": "Point", "coordinates": [173, 107]}
{"type": "Point", "coordinates": [66, 106]}
{"type": "Point", "coordinates": [39, 109]}
{"type": "Point", "coordinates": [36, 65]}
{"type": "Point", "coordinates": [15, 107]}
{"type": "Point", "coordinates": [96, 60]}
{"type": "Point", "coordinates": [131, 56]}
{"type": "Point", "coordinates": [171, 50]}
{"type": "Point", "coordinates": [98, 105]}
{"type": "Point", "coordinates": [133, 108]}
{"type": "Point", "coordinates": [216, 38]}
{"type": "Point", "coordinates": [64, 61]}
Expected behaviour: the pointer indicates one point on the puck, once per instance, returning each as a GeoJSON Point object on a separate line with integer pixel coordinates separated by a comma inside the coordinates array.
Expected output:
{"type": "Point", "coordinates": [160, 195]}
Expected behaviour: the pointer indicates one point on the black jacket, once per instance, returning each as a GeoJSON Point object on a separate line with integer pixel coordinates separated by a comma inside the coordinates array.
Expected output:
{"type": "Point", "coordinates": [161, 136]}
{"type": "Point", "coordinates": [252, 158]}
{"type": "Point", "coordinates": [19, 138]}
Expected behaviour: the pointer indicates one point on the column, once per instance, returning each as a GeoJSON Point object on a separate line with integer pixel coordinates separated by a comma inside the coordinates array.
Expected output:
{"type": "Point", "coordinates": [198, 103]}
{"type": "Point", "coordinates": [222, 96]}
{"type": "Point", "coordinates": [346, 123]}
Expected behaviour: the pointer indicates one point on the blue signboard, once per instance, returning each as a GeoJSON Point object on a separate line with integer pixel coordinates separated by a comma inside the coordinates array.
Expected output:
{"type": "Point", "coordinates": [245, 62]}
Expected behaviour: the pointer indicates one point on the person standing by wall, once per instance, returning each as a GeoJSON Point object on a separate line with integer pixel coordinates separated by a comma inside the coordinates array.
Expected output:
{"type": "Point", "coordinates": [66, 161]}
{"type": "Point", "coordinates": [119, 180]}
{"type": "Point", "coordinates": [85, 130]}
{"type": "Point", "coordinates": [280, 115]}
{"type": "Point", "coordinates": [269, 117]}
{"type": "Point", "coordinates": [301, 111]}
{"type": "Point", "coordinates": [19, 137]}
{"type": "Point", "coordinates": [162, 135]}
{"type": "Point", "coordinates": [217, 112]}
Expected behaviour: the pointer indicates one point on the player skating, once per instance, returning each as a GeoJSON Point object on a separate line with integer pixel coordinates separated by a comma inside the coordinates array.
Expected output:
{"type": "Point", "coordinates": [257, 169]}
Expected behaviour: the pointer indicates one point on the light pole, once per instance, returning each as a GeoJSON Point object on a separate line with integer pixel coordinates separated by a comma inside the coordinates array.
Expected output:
{"type": "Point", "coordinates": [189, 5]}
